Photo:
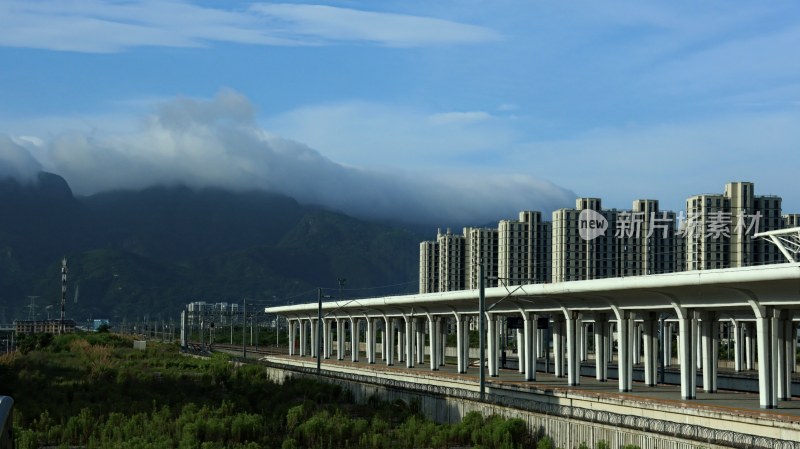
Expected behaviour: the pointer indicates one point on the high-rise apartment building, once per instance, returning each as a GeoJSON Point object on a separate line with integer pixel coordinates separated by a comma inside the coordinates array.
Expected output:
{"type": "Point", "coordinates": [575, 257]}
{"type": "Point", "coordinates": [524, 248]}
{"type": "Point", "coordinates": [719, 228]}
{"type": "Point", "coordinates": [428, 267]}
{"type": "Point", "coordinates": [451, 261]}
{"type": "Point", "coordinates": [480, 247]}
{"type": "Point", "coordinates": [791, 220]}
{"type": "Point", "coordinates": [589, 242]}
{"type": "Point", "coordinates": [646, 241]}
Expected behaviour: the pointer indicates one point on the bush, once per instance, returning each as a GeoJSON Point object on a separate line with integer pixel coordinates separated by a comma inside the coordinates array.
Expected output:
{"type": "Point", "coordinates": [99, 392]}
{"type": "Point", "coordinates": [544, 443]}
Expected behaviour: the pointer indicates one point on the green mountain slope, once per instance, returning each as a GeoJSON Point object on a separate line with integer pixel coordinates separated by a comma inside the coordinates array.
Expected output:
{"type": "Point", "coordinates": [150, 252]}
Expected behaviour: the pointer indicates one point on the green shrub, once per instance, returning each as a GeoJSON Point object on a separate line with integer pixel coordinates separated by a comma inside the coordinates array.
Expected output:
{"type": "Point", "coordinates": [544, 443]}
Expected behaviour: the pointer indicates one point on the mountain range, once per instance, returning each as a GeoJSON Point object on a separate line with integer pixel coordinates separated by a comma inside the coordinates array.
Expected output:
{"type": "Point", "coordinates": [148, 253]}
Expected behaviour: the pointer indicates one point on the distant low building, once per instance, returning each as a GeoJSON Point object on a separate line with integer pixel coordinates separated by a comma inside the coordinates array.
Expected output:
{"type": "Point", "coordinates": [43, 326]}
{"type": "Point", "coordinates": [97, 323]}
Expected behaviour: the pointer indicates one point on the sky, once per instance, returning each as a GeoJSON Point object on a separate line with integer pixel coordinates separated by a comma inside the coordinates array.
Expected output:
{"type": "Point", "coordinates": [440, 112]}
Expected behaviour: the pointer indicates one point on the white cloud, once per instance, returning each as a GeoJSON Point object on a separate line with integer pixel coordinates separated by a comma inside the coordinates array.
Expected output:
{"type": "Point", "coordinates": [15, 161]}
{"type": "Point", "coordinates": [372, 134]}
{"type": "Point", "coordinates": [507, 107]}
{"type": "Point", "coordinates": [328, 23]}
{"type": "Point", "coordinates": [96, 26]}
{"type": "Point", "coordinates": [457, 118]}
{"type": "Point", "coordinates": [217, 143]}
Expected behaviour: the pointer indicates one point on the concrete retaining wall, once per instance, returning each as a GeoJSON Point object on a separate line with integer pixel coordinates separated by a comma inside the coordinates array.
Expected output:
{"type": "Point", "coordinates": [566, 433]}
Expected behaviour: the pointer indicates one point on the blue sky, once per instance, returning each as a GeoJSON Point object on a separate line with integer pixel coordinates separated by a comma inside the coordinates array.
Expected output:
{"type": "Point", "coordinates": [447, 111]}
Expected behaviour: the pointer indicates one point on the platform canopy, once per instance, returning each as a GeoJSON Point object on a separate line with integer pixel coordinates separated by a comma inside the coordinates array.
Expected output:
{"type": "Point", "coordinates": [732, 291]}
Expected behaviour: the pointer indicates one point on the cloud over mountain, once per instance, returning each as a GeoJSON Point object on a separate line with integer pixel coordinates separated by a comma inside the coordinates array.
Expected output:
{"type": "Point", "coordinates": [219, 143]}
{"type": "Point", "coordinates": [15, 161]}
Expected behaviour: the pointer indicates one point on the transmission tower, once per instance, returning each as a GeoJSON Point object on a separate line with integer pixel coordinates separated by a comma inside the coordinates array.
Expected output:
{"type": "Point", "coordinates": [32, 308]}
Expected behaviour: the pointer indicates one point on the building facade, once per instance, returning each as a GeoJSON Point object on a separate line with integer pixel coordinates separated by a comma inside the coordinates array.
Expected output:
{"type": "Point", "coordinates": [451, 261]}
{"type": "Point", "coordinates": [480, 248]}
{"type": "Point", "coordinates": [791, 220]}
{"type": "Point", "coordinates": [589, 242]}
{"type": "Point", "coordinates": [28, 327]}
{"type": "Point", "coordinates": [575, 256]}
{"type": "Point", "coordinates": [719, 228]}
{"type": "Point", "coordinates": [428, 267]}
{"type": "Point", "coordinates": [524, 249]}
{"type": "Point", "coordinates": [646, 240]}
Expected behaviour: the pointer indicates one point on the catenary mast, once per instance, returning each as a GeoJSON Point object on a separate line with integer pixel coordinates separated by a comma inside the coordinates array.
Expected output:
{"type": "Point", "coordinates": [64, 270]}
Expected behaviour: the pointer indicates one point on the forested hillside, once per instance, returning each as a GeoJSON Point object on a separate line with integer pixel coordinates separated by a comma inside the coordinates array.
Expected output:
{"type": "Point", "coordinates": [135, 253]}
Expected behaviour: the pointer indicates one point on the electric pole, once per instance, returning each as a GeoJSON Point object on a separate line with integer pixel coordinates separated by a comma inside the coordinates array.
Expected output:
{"type": "Point", "coordinates": [64, 270]}
{"type": "Point", "coordinates": [244, 328]}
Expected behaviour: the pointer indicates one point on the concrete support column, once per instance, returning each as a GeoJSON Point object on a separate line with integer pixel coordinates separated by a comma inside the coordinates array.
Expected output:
{"type": "Point", "coordinates": [339, 339]}
{"type": "Point", "coordinates": [520, 351]}
{"type": "Point", "coordinates": [401, 341]}
{"type": "Point", "coordinates": [738, 347]}
{"type": "Point", "coordinates": [441, 339]}
{"type": "Point", "coordinates": [710, 345]}
{"type": "Point", "coordinates": [698, 344]}
{"type": "Point", "coordinates": [784, 328]}
{"type": "Point", "coordinates": [291, 337]}
{"type": "Point", "coordinates": [377, 327]}
{"type": "Point", "coordinates": [314, 345]}
{"type": "Point", "coordinates": [612, 337]}
{"type": "Point", "coordinates": [409, 342]}
{"type": "Point", "coordinates": [749, 346]}
{"type": "Point", "coordinates": [558, 346]}
{"type": "Point", "coordinates": [355, 330]}
{"type": "Point", "coordinates": [388, 335]}
{"type": "Point", "coordinates": [584, 340]}
{"type": "Point", "coordinates": [600, 346]}
{"type": "Point", "coordinates": [637, 343]}
{"type": "Point", "coordinates": [370, 341]}
{"type": "Point", "coordinates": [465, 344]}
{"type": "Point", "coordinates": [767, 357]}
{"type": "Point", "coordinates": [302, 326]}
{"type": "Point", "coordinates": [669, 330]}
{"type": "Point", "coordinates": [540, 343]}
{"type": "Point", "coordinates": [328, 327]}
{"type": "Point", "coordinates": [650, 335]}
{"type": "Point", "coordinates": [434, 343]}
{"type": "Point", "coordinates": [491, 343]}
{"type": "Point", "coordinates": [498, 327]}
{"type": "Point", "coordinates": [573, 361]}
{"type": "Point", "coordinates": [460, 345]}
{"type": "Point", "coordinates": [531, 332]}
{"type": "Point", "coordinates": [382, 334]}
{"type": "Point", "coordinates": [687, 354]}
{"type": "Point", "coordinates": [625, 349]}
{"type": "Point", "coordinates": [794, 346]}
{"type": "Point", "coordinates": [420, 350]}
